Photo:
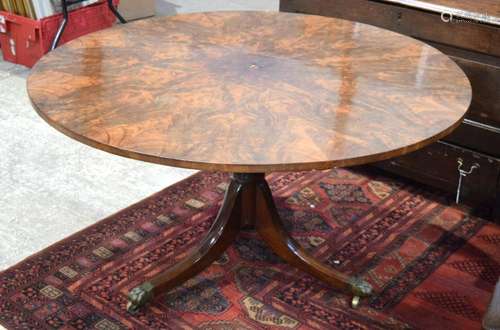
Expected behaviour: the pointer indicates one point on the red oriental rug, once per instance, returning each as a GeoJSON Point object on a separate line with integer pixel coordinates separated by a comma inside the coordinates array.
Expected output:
{"type": "Point", "coordinates": [432, 265]}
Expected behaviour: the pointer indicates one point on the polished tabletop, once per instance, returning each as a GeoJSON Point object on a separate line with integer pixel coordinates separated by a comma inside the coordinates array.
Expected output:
{"type": "Point", "coordinates": [250, 92]}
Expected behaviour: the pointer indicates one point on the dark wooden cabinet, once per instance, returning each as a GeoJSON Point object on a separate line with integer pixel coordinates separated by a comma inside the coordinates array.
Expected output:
{"type": "Point", "coordinates": [437, 165]}
{"type": "Point", "coordinates": [472, 40]}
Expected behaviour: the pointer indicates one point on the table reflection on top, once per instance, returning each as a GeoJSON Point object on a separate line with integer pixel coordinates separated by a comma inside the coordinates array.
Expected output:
{"type": "Point", "coordinates": [250, 91]}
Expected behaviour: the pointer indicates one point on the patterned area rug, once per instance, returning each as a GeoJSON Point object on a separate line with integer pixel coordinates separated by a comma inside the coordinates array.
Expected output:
{"type": "Point", "coordinates": [432, 265]}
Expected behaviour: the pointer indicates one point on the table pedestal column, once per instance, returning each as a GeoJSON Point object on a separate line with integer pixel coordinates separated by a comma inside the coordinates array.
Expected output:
{"type": "Point", "coordinates": [248, 203]}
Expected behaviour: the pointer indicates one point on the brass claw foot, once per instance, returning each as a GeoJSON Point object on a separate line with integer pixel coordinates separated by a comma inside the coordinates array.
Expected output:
{"type": "Point", "coordinates": [359, 288]}
{"type": "Point", "coordinates": [139, 296]}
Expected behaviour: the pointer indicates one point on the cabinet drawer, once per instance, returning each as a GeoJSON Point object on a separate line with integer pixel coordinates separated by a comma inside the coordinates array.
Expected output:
{"type": "Point", "coordinates": [437, 165]}
{"type": "Point", "coordinates": [478, 137]}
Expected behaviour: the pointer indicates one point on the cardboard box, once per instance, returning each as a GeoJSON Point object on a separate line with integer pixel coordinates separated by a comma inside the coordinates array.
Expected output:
{"type": "Point", "coordinates": [136, 9]}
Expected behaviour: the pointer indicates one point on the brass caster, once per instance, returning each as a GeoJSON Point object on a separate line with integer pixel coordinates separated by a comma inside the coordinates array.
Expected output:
{"type": "Point", "coordinates": [355, 302]}
{"type": "Point", "coordinates": [138, 297]}
{"type": "Point", "coordinates": [360, 288]}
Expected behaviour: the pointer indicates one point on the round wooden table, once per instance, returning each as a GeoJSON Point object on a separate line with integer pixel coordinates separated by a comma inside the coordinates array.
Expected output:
{"type": "Point", "coordinates": [250, 93]}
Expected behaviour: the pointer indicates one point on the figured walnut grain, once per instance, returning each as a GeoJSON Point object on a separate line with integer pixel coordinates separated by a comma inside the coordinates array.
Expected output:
{"type": "Point", "coordinates": [250, 92]}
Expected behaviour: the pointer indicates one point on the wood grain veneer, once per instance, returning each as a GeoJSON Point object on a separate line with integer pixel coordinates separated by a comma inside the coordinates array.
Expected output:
{"type": "Point", "coordinates": [250, 92]}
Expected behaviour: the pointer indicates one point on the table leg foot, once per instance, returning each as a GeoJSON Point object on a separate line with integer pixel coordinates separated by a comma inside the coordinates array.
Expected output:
{"type": "Point", "coordinates": [220, 236]}
{"type": "Point", "coordinates": [138, 297]}
{"type": "Point", "coordinates": [359, 288]}
{"type": "Point", "coordinates": [270, 227]}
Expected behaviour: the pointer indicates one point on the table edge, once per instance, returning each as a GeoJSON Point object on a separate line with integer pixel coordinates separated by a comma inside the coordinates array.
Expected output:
{"type": "Point", "coordinates": [242, 168]}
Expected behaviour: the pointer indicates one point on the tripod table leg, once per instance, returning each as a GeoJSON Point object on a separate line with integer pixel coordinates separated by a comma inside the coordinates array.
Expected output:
{"type": "Point", "coordinates": [221, 235]}
{"type": "Point", "coordinates": [271, 229]}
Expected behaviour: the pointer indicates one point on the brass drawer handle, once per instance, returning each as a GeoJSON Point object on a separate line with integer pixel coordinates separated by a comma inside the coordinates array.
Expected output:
{"type": "Point", "coordinates": [462, 174]}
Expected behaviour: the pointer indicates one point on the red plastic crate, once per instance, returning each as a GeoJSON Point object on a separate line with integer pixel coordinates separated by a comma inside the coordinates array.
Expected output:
{"type": "Point", "coordinates": [25, 40]}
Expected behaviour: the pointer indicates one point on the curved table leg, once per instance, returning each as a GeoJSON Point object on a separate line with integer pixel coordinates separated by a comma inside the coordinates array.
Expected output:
{"type": "Point", "coordinates": [220, 236]}
{"type": "Point", "coordinates": [248, 202]}
{"type": "Point", "coordinates": [271, 229]}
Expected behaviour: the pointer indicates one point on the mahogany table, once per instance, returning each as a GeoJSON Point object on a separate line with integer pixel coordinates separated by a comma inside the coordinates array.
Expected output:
{"type": "Point", "coordinates": [250, 93]}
